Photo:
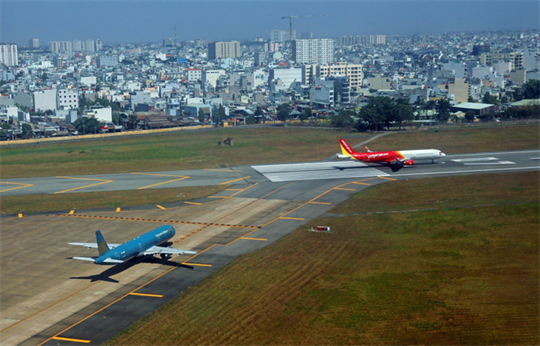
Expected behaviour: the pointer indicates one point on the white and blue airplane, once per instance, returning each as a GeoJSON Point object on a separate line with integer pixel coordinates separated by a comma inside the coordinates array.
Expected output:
{"type": "Point", "coordinates": [144, 245]}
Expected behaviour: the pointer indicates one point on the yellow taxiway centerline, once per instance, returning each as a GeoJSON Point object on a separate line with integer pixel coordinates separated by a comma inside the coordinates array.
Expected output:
{"type": "Point", "coordinates": [146, 295]}
{"type": "Point", "coordinates": [15, 188]}
{"type": "Point", "coordinates": [232, 181]}
{"type": "Point", "coordinates": [101, 181]}
{"type": "Point", "coordinates": [165, 182]}
{"type": "Point", "coordinates": [70, 339]}
{"type": "Point", "coordinates": [247, 238]}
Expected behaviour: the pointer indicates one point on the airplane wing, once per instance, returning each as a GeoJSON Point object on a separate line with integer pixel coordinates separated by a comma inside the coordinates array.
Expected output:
{"type": "Point", "coordinates": [93, 245]}
{"type": "Point", "coordinates": [93, 259]}
{"type": "Point", "coordinates": [155, 250]}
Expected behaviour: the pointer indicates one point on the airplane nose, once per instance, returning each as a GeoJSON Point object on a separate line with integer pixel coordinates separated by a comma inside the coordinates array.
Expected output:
{"type": "Point", "coordinates": [442, 154]}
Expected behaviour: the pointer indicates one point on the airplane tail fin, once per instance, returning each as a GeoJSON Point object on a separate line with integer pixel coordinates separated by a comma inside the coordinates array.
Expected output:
{"type": "Point", "coordinates": [346, 149]}
{"type": "Point", "coordinates": [367, 149]}
{"type": "Point", "coordinates": [102, 244]}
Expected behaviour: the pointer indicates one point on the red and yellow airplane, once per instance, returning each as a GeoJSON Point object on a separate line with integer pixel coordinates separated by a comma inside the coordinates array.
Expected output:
{"type": "Point", "coordinates": [395, 159]}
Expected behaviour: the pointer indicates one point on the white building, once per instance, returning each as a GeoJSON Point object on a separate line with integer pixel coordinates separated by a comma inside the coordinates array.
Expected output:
{"type": "Point", "coordinates": [45, 100]}
{"type": "Point", "coordinates": [88, 81]}
{"type": "Point", "coordinates": [314, 51]}
{"type": "Point", "coordinates": [194, 74]}
{"type": "Point", "coordinates": [9, 55]}
{"type": "Point", "coordinates": [67, 99]}
{"type": "Point", "coordinates": [102, 114]}
{"type": "Point", "coordinates": [286, 75]}
{"type": "Point", "coordinates": [211, 77]}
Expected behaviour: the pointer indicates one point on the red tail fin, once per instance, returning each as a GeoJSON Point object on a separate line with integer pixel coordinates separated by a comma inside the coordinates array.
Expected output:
{"type": "Point", "coordinates": [346, 148]}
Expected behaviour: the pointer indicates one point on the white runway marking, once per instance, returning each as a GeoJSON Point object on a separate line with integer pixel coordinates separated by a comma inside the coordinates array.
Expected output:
{"type": "Point", "coordinates": [490, 163]}
{"type": "Point", "coordinates": [317, 171]}
{"type": "Point", "coordinates": [476, 159]}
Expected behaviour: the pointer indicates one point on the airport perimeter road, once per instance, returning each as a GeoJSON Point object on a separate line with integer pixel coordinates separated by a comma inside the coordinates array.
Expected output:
{"type": "Point", "coordinates": [512, 161]}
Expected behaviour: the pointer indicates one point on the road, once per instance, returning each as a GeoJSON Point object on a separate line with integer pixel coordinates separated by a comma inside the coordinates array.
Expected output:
{"type": "Point", "coordinates": [51, 300]}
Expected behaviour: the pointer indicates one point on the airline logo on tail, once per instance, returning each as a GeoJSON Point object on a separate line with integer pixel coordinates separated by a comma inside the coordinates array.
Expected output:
{"type": "Point", "coordinates": [346, 149]}
{"type": "Point", "coordinates": [102, 244]}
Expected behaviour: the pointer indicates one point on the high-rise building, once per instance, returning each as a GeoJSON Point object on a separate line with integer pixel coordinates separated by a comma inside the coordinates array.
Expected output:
{"type": "Point", "coordinates": [33, 43]}
{"type": "Point", "coordinates": [314, 51]}
{"type": "Point", "coordinates": [217, 50]}
{"type": "Point", "coordinates": [282, 35]}
{"type": "Point", "coordinates": [9, 54]}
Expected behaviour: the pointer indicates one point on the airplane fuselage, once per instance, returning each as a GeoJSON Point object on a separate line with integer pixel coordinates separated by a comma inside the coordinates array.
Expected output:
{"type": "Point", "coordinates": [137, 246]}
{"type": "Point", "coordinates": [401, 155]}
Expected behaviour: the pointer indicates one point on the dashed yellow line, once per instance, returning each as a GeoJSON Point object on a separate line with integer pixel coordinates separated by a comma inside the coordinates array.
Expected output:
{"type": "Point", "coordinates": [194, 203]}
{"type": "Point", "coordinates": [292, 218]}
{"type": "Point", "coordinates": [247, 238]}
{"type": "Point", "coordinates": [343, 189]}
{"type": "Point", "coordinates": [322, 203]}
{"type": "Point", "coordinates": [160, 207]}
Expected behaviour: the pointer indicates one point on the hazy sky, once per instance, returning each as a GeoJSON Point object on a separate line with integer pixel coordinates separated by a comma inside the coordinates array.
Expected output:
{"type": "Point", "coordinates": [139, 21]}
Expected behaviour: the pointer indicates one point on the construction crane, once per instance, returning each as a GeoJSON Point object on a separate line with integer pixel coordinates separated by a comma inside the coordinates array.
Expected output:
{"type": "Point", "coordinates": [290, 25]}
{"type": "Point", "coordinates": [290, 31]}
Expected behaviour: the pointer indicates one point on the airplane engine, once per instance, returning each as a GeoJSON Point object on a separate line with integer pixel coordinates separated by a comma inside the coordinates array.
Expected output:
{"type": "Point", "coordinates": [409, 162]}
{"type": "Point", "coordinates": [165, 255]}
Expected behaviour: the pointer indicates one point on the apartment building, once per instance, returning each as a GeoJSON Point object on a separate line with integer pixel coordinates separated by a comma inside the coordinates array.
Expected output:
{"type": "Point", "coordinates": [67, 99]}
{"type": "Point", "coordinates": [9, 55]}
{"type": "Point", "coordinates": [314, 51]}
{"type": "Point", "coordinates": [516, 59]}
{"type": "Point", "coordinates": [282, 35]}
{"type": "Point", "coordinates": [217, 50]}
{"type": "Point", "coordinates": [352, 71]}
{"type": "Point", "coordinates": [194, 74]}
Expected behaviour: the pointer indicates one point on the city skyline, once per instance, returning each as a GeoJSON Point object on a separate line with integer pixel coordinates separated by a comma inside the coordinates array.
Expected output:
{"type": "Point", "coordinates": [122, 21]}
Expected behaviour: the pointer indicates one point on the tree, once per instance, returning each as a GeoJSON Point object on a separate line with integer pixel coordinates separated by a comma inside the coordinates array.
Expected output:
{"type": "Point", "coordinates": [469, 116]}
{"type": "Point", "coordinates": [220, 115]}
{"type": "Point", "coordinates": [343, 119]}
{"type": "Point", "coordinates": [284, 112]}
{"type": "Point", "coordinates": [27, 131]}
{"type": "Point", "coordinates": [488, 98]}
{"type": "Point", "coordinates": [443, 110]}
{"type": "Point", "coordinates": [87, 125]}
{"type": "Point", "coordinates": [201, 115]}
{"type": "Point", "coordinates": [306, 113]}
{"type": "Point", "coordinates": [529, 90]}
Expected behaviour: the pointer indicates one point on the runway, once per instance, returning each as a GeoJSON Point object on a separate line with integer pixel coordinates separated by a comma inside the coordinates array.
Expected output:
{"type": "Point", "coordinates": [52, 300]}
{"type": "Point", "coordinates": [511, 161]}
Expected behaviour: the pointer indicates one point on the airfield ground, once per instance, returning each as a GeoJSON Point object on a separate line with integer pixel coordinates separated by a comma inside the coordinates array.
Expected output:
{"type": "Point", "coordinates": [465, 273]}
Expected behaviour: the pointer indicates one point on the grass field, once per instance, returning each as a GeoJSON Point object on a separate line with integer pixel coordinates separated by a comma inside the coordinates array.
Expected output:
{"type": "Point", "coordinates": [92, 200]}
{"type": "Point", "coordinates": [449, 276]}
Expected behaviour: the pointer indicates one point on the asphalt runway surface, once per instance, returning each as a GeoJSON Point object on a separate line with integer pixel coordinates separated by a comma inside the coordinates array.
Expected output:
{"type": "Point", "coordinates": [49, 299]}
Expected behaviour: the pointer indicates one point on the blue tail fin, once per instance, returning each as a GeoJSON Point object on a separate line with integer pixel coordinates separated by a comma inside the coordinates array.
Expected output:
{"type": "Point", "coordinates": [101, 243]}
